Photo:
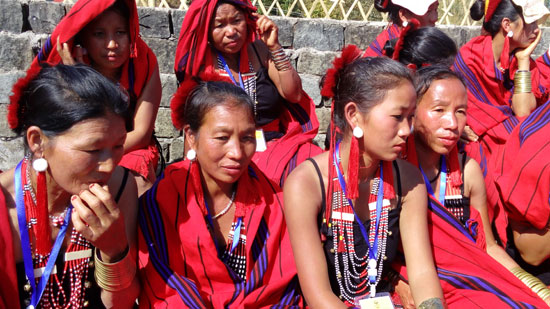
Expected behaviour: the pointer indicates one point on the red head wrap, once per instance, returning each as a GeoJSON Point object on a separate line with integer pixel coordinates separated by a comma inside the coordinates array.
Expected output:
{"type": "Point", "coordinates": [490, 7]}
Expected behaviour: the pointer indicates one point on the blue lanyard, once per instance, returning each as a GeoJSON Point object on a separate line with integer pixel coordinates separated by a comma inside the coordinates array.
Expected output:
{"type": "Point", "coordinates": [226, 67]}
{"type": "Point", "coordinates": [37, 291]}
{"type": "Point", "coordinates": [379, 202]}
{"type": "Point", "coordinates": [442, 181]}
{"type": "Point", "coordinates": [236, 232]}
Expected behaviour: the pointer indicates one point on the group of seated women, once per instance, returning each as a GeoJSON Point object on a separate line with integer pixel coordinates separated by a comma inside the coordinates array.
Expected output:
{"type": "Point", "coordinates": [433, 192]}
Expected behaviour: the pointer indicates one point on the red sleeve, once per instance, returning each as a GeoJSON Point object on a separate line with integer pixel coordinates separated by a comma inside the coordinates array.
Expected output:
{"type": "Point", "coordinates": [9, 295]}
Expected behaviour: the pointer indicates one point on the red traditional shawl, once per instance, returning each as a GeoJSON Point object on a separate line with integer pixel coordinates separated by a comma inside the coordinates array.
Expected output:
{"type": "Point", "coordinates": [523, 171]}
{"type": "Point", "coordinates": [9, 295]}
{"type": "Point", "coordinates": [136, 71]}
{"type": "Point", "coordinates": [454, 183]}
{"type": "Point", "coordinates": [489, 102]}
{"type": "Point", "coordinates": [193, 62]}
{"type": "Point", "coordinates": [376, 48]}
{"type": "Point", "coordinates": [468, 276]}
{"type": "Point", "coordinates": [178, 261]}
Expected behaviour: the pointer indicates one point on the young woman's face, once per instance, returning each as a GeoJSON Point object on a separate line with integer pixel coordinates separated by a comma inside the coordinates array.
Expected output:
{"type": "Point", "coordinates": [228, 29]}
{"type": "Point", "coordinates": [107, 41]}
{"type": "Point", "coordinates": [524, 34]}
{"type": "Point", "coordinates": [387, 125]}
{"type": "Point", "coordinates": [86, 153]}
{"type": "Point", "coordinates": [441, 115]}
{"type": "Point", "coordinates": [225, 142]}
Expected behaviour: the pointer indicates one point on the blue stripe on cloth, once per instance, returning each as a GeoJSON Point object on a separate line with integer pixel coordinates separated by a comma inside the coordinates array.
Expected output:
{"type": "Point", "coordinates": [537, 119]}
{"type": "Point", "coordinates": [471, 80]}
{"type": "Point", "coordinates": [444, 214]}
{"type": "Point", "coordinates": [468, 282]}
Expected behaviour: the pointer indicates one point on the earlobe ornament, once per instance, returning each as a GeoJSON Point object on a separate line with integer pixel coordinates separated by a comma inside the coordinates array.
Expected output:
{"type": "Point", "coordinates": [40, 165]}
{"type": "Point", "coordinates": [357, 132]}
{"type": "Point", "coordinates": [510, 34]}
{"type": "Point", "coordinates": [191, 155]}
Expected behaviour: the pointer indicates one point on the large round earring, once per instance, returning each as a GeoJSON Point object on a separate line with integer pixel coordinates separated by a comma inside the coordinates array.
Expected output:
{"type": "Point", "coordinates": [405, 24]}
{"type": "Point", "coordinates": [191, 155]}
{"type": "Point", "coordinates": [510, 34]}
{"type": "Point", "coordinates": [40, 165]}
{"type": "Point", "coordinates": [357, 132]}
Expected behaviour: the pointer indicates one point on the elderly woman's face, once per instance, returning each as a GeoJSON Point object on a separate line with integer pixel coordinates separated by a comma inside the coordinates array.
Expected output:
{"type": "Point", "coordinates": [228, 29]}
{"type": "Point", "coordinates": [441, 115]}
{"type": "Point", "coordinates": [225, 142]}
{"type": "Point", "coordinates": [86, 153]}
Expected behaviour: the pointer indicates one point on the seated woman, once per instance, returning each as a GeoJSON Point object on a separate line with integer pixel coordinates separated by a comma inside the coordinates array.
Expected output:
{"type": "Point", "coordinates": [368, 192]}
{"type": "Point", "coordinates": [459, 222]}
{"type": "Point", "coordinates": [105, 35]}
{"type": "Point", "coordinates": [228, 39]}
{"type": "Point", "coordinates": [504, 84]}
{"type": "Point", "coordinates": [523, 181]}
{"type": "Point", "coordinates": [212, 229]}
{"type": "Point", "coordinates": [72, 200]}
{"type": "Point", "coordinates": [400, 13]}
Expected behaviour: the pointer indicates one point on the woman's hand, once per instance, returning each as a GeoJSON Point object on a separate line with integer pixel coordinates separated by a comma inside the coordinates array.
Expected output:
{"type": "Point", "coordinates": [98, 218]}
{"type": "Point", "coordinates": [468, 135]}
{"type": "Point", "coordinates": [67, 57]}
{"type": "Point", "coordinates": [404, 291]}
{"type": "Point", "coordinates": [268, 31]}
{"type": "Point", "coordinates": [524, 55]}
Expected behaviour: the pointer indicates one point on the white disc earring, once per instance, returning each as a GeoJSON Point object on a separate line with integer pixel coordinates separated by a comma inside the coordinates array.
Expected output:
{"type": "Point", "coordinates": [191, 155]}
{"type": "Point", "coordinates": [510, 34]}
{"type": "Point", "coordinates": [40, 165]}
{"type": "Point", "coordinates": [405, 24]}
{"type": "Point", "coordinates": [357, 132]}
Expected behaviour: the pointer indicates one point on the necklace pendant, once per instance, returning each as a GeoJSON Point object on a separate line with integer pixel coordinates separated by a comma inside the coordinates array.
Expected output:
{"type": "Point", "coordinates": [372, 264]}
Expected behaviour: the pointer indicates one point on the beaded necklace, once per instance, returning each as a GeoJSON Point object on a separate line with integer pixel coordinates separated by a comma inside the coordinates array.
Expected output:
{"type": "Point", "coordinates": [358, 275]}
{"type": "Point", "coordinates": [77, 259]}
{"type": "Point", "coordinates": [247, 81]}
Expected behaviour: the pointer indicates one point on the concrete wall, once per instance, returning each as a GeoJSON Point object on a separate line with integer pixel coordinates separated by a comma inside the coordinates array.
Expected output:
{"type": "Point", "coordinates": [312, 44]}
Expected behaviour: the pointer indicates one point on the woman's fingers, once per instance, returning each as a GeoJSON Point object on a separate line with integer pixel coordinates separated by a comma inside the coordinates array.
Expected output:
{"type": "Point", "coordinates": [65, 53]}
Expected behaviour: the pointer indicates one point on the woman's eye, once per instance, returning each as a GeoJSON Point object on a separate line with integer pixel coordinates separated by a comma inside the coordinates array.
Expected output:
{"type": "Point", "coordinates": [461, 111]}
{"type": "Point", "coordinates": [221, 138]}
{"type": "Point", "coordinates": [121, 32]}
{"type": "Point", "coordinates": [398, 117]}
{"type": "Point", "coordinates": [98, 33]}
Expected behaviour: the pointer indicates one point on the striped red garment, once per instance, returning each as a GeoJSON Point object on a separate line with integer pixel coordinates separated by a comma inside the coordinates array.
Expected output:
{"type": "Point", "coordinates": [179, 264]}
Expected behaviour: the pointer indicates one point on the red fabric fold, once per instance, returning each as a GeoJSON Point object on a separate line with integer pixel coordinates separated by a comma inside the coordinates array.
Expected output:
{"type": "Point", "coordinates": [9, 294]}
{"type": "Point", "coordinates": [178, 261]}
{"type": "Point", "coordinates": [376, 48]}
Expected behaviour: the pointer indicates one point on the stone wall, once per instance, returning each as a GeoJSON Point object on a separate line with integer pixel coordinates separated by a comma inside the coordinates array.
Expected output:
{"type": "Point", "coordinates": [312, 44]}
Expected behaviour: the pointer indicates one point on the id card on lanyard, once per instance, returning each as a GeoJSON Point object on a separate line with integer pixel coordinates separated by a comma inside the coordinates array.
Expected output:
{"type": "Point", "coordinates": [379, 301]}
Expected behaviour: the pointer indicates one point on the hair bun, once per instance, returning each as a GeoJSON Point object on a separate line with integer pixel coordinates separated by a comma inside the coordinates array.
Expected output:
{"type": "Point", "coordinates": [382, 5]}
{"type": "Point", "coordinates": [477, 10]}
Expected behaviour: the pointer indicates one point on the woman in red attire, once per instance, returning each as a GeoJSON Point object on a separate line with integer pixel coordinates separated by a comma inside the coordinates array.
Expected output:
{"type": "Point", "coordinates": [524, 184]}
{"type": "Point", "coordinates": [212, 230]}
{"type": "Point", "coordinates": [105, 35]}
{"type": "Point", "coordinates": [400, 13]}
{"type": "Point", "coordinates": [458, 217]}
{"type": "Point", "coordinates": [504, 84]}
{"type": "Point", "coordinates": [229, 39]}
{"type": "Point", "coordinates": [68, 197]}
{"type": "Point", "coordinates": [368, 192]}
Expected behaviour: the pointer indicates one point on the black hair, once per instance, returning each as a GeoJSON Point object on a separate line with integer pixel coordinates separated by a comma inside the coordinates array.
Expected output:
{"type": "Point", "coordinates": [427, 75]}
{"type": "Point", "coordinates": [365, 81]}
{"type": "Point", "coordinates": [61, 96]}
{"type": "Point", "coordinates": [427, 45]}
{"type": "Point", "coordinates": [390, 8]}
{"type": "Point", "coordinates": [505, 9]}
{"type": "Point", "coordinates": [208, 95]}
{"type": "Point", "coordinates": [121, 8]}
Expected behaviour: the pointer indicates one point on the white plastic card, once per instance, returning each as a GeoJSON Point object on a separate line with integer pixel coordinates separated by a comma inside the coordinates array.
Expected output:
{"type": "Point", "coordinates": [260, 141]}
{"type": "Point", "coordinates": [380, 301]}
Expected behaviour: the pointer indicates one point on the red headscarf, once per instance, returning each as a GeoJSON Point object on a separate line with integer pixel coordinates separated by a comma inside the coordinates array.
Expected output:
{"type": "Point", "coordinates": [135, 72]}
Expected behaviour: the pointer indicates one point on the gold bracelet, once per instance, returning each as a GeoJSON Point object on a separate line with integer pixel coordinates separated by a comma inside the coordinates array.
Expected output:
{"type": "Point", "coordinates": [531, 282]}
{"type": "Point", "coordinates": [114, 277]}
{"type": "Point", "coordinates": [522, 82]}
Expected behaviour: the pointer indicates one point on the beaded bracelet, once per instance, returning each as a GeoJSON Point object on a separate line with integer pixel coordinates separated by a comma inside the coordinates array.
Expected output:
{"type": "Point", "coordinates": [114, 277]}
{"type": "Point", "coordinates": [522, 82]}
{"type": "Point", "coordinates": [280, 59]}
{"type": "Point", "coordinates": [532, 282]}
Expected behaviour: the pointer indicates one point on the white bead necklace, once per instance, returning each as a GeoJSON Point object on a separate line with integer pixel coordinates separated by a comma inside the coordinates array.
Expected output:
{"type": "Point", "coordinates": [226, 209]}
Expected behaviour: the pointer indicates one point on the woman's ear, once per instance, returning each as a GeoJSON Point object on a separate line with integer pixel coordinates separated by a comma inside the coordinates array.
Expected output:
{"type": "Point", "coordinates": [36, 140]}
{"type": "Point", "coordinates": [352, 114]}
{"type": "Point", "coordinates": [190, 137]}
{"type": "Point", "coordinates": [403, 16]}
{"type": "Point", "coordinates": [506, 25]}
